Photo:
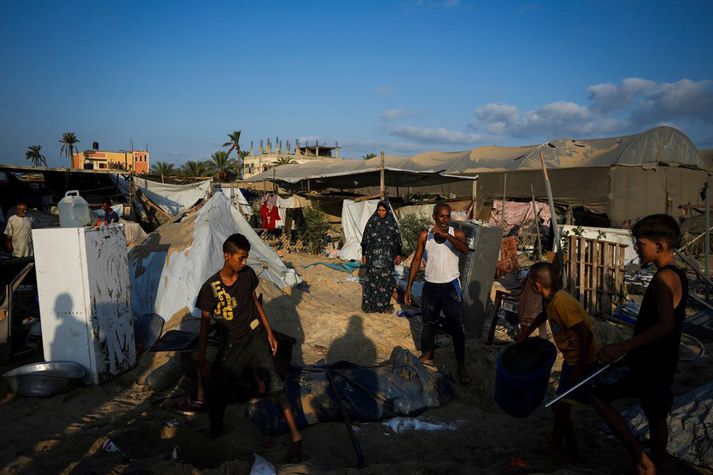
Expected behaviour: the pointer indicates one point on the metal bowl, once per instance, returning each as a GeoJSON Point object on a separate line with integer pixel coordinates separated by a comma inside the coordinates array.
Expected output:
{"type": "Point", "coordinates": [45, 379]}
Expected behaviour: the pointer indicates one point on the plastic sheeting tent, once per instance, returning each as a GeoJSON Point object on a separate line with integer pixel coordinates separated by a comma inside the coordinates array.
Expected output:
{"type": "Point", "coordinates": [173, 199]}
{"type": "Point", "coordinates": [354, 218]}
{"type": "Point", "coordinates": [169, 267]}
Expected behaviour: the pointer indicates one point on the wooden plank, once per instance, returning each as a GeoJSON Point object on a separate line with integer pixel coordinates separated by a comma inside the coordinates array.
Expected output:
{"type": "Point", "coordinates": [606, 281]}
{"type": "Point", "coordinates": [594, 252]}
{"type": "Point", "coordinates": [582, 272]}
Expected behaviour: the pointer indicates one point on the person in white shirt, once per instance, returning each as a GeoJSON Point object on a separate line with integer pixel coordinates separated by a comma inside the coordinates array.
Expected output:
{"type": "Point", "coordinates": [18, 232]}
{"type": "Point", "coordinates": [439, 247]}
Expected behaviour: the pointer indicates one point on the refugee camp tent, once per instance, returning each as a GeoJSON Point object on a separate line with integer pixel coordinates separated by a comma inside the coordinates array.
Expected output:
{"type": "Point", "coordinates": [173, 199]}
{"type": "Point", "coordinates": [168, 268]}
{"type": "Point", "coordinates": [336, 173]}
{"type": "Point", "coordinates": [624, 177]}
{"type": "Point", "coordinates": [355, 215]}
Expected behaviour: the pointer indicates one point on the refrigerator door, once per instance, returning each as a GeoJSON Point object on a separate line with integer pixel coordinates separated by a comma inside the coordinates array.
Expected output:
{"type": "Point", "coordinates": [61, 277]}
{"type": "Point", "coordinates": [109, 302]}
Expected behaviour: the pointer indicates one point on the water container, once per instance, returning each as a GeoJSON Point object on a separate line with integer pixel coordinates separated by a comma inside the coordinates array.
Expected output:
{"type": "Point", "coordinates": [522, 374]}
{"type": "Point", "coordinates": [73, 210]}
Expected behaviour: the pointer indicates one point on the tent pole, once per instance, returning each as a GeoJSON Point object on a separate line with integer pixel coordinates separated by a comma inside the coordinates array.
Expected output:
{"type": "Point", "coordinates": [505, 186]}
{"type": "Point", "coordinates": [474, 194]}
{"type": "Point", "coordinates": [707, 245]}
{"type": "Point", "coordinates": [382, 184]}
{"type": "Point", "coordinates": [556, 246]}
{"type": "Point", "coordinates": [537, 222]}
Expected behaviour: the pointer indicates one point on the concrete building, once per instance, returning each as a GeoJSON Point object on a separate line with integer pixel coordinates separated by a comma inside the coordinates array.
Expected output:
{"type": "Point", "coordinates": [95, 159]}
{"type": "Point", "coordinates": [269, 154]}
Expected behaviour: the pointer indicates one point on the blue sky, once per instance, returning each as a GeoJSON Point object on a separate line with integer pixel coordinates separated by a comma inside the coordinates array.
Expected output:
{"type": "Point", "coordinates": [404, 76]}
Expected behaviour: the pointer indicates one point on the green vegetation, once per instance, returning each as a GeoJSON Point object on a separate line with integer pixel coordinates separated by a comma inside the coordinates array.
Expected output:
{"type": "Point", "coordinates": [34, 155]}
{"type": "Point", "coordinates": [163, 169]}
{"type": "Point", "coordinates": [314, 236]}
{"type": "Point", "coordinates": [68, 141]}
{"type": "Point", "coordinates": [284, 161]}
{"type": "Point", "coordinates": [409, 227]}
{"type": "Point", "coordinates": [368, 156]}
{"type": "Point", "coordinates": [233, 143]}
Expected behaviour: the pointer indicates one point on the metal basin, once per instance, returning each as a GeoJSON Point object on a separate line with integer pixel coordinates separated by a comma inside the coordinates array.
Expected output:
{"type": "Point", "coordinates": [45, 379]}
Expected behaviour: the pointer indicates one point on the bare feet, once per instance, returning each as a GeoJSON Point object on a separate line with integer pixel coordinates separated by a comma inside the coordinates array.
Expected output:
{"type": "Point", "coordinates": [645, 466]}
{"type": "Point", "coordinates": [463, 374]}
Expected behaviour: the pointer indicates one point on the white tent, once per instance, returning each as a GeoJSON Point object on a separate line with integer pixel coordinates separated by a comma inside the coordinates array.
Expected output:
{"type": "Point", "coordinates": [168, 268]}
{"type": "Point", "coordinates": [173, 199]}
{"type": "Point", "coordinates": [354, 218]}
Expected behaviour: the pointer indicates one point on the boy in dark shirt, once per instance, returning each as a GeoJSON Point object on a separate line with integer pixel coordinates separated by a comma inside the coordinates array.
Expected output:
{"type": "Point", "coordinates": [652, 353]}
{"type": "Point", "coordinates": [229, 297]}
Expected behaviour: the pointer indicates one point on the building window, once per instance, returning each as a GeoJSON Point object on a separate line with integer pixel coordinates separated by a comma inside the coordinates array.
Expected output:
{"type": "Point", "coordinates": [102, 165]}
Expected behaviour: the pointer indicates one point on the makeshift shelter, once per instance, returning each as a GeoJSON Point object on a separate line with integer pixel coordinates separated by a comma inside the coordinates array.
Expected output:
{"type": "Point", "coordinates": [347, 174]}
{"type": "Point", "coordinates": [623, 177]}
{"type": "Point", "coordinates": [173, 199]}
{"type": "Point", "coordinates": [168, 268]}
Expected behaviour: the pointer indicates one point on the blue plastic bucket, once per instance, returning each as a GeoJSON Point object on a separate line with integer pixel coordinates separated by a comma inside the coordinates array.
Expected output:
{"type": "Point", "coordinates": [522, 374]}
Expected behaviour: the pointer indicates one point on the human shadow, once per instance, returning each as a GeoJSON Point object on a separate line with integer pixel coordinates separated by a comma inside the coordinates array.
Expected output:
{"type": "Point", "coordinates": [353, 346]}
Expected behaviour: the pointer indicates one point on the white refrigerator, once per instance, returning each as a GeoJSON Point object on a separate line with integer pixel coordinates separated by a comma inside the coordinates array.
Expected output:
{"type": "Point", "coordinates": [85, 298]}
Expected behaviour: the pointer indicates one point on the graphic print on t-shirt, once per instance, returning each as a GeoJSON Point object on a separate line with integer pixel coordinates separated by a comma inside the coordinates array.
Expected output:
{"type": "Point", "coordinates": [226, 304]}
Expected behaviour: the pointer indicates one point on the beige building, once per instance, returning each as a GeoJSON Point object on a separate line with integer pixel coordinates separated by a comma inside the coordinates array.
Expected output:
{"type": "Point", "coordinates": [268, 155]}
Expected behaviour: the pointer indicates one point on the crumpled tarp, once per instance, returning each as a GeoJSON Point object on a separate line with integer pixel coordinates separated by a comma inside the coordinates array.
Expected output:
{"type": "Point", "coordinates": [168, 268]}
{"type": "Point", "coordinates": [401, 386]}
{"type": "Point", "coordinates": [689, 426]}
{"type": "Point", "coordinates": [173, 199]}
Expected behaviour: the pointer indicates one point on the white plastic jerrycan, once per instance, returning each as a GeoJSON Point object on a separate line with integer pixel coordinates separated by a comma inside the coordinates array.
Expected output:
{"type": "Point", "coordinates": [73, 210]}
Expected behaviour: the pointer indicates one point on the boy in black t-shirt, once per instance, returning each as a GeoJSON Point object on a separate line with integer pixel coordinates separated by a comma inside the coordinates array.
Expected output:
{"type": "Point", "coordinates": [652, 353]}
{"type": "Point", "coordinates": [229, 297]}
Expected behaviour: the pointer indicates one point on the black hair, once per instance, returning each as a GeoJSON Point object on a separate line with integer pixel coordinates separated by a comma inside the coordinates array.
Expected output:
{"type": "Point", "coordinates": [106, 201]}
{"type": "Point", "coordinates": [440, 205]}
{"type": "Point", "coordinates": [384, 204]}
{"type": "Point", "coordinates": [544, 274]}
{"type": "Point", "coordinates": [658, 227]}
{"type": "Point", "coordinates": [236, 242]}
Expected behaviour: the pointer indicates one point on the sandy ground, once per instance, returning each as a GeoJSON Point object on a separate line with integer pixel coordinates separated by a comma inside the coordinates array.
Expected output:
{"type": "Point", "coordinates": [64, 434]}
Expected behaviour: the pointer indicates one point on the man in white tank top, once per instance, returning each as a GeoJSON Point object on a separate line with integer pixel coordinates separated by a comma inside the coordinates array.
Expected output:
{"type": "Point", "coordinates": [439, 247]}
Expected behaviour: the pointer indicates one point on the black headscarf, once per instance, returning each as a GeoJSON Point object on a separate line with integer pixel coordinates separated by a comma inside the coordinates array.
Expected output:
{"type": "Point", "coordinates": [381, 234]}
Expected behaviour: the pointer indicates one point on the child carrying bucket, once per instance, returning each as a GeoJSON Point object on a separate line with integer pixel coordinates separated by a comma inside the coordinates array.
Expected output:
{"type": "Point", "coordinates": [572, 330]}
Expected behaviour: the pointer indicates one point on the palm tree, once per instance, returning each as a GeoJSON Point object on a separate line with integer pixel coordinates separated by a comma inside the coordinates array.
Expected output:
{"type": "Point", "coordinates": [368, 156]}
{"type": "Point", "coordinates": [284, 161]}
{"type": "Point", "coordinates": [34, 155]}
{"type": "Point", "coordinates": [220, 165]}
{"type": "Point", "coordinates": [191, 168]}
{"type": "Point", "coordinates": [163, 169]}
{"type": "Point", "coordinates": [68, 141]}
{"type": "Point", "coordinates": [234, 144]}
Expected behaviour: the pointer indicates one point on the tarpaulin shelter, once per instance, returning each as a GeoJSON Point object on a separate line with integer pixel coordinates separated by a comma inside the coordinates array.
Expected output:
{"type": "Point", "coordinates": [168, 268]}
{"type": "Point", "coordinates": [347, 174]}
{"type": "Point", "coordinates": [625, 177]}
{"type": "Point", "coordinates": [173, 199]}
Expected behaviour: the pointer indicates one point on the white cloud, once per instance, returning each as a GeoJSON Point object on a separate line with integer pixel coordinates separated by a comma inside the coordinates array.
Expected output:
{"type": "Point", "coordinates": [607, 97]}
{"type": "Point", "coordinates": [437, 135]}
{"type": "Point", "coordinates": [632, 105]}
{"type": "Point", "coordinates": [393, 114]}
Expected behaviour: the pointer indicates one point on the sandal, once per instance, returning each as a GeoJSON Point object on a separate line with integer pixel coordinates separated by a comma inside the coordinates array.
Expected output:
{"type": "Point", "coordinates": [190, 406]}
